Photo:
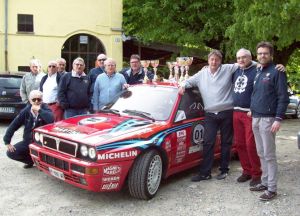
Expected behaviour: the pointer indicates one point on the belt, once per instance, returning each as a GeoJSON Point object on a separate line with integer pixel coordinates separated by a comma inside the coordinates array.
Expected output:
{"type": "Point", "coordinates": [50, 104]}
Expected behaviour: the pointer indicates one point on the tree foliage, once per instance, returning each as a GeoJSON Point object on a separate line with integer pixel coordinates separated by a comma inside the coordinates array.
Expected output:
{"type": "Point", "coordinates": [227, 25]}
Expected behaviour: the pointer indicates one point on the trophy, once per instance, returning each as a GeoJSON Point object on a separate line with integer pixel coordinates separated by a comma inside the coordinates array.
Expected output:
{"type": "Point", "coordinates": [145, 64]}
{"type": "Point", "coordinates": [188, 61]}
{"type": "Point", "coordinates": [181, 63]}
{"type": "Point", "coordinates": [154, 64]}
{"type": "Point", "coordinates": [170, 66]}
{"type": "Point", "coordinates": [176, 71]}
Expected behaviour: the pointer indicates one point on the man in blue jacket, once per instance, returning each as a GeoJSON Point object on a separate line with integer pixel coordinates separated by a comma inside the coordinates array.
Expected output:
{"type": "Point", "coordinates": [269, 101]}
{"type": "Point", "coordinates": [33, 115]}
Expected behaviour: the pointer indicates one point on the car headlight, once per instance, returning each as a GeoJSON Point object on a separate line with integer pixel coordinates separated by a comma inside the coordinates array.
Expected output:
{"type": "Point", "coordinates": [37, 136]}
{"type": "Point", "coordinates": [92, 153]}
{"type": "Point", "coordinates": [41, 138]}
{"type": "Point", "coordinates": [84, 150]}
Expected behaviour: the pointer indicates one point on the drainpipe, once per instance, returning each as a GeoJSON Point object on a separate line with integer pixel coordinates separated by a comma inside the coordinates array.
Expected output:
{"type": "Point", "coordinates": [6, 35]}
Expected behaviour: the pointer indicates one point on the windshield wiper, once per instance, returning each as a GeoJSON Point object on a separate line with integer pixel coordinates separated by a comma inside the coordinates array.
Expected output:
{"type": "Point", "coordinates": [113, 111]}
{"type": "Point", "coordinates": [139, 113]}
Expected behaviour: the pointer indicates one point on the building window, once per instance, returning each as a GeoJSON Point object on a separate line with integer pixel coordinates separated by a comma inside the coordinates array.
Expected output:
{"type": "Point", "coordinates": [24, 68]}
{"type": "Point", "coordinates": [25, 23]}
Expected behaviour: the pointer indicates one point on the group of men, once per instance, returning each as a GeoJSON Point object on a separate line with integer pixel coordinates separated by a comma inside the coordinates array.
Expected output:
{"type": "Point", "coordinates": [59, 94]}
{"type": "Point", "coordinates": [246, 102]}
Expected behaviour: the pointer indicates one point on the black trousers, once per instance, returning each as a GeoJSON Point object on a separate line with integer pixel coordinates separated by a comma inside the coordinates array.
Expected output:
{"type": "Point", "coordinates": [21, 153]}
{"type": "Point", "coordinates": [222, 121]}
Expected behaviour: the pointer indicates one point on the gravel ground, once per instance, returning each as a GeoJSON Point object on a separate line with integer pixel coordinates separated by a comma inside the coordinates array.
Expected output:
{"type": "Point", "coordinates": [30, 192]}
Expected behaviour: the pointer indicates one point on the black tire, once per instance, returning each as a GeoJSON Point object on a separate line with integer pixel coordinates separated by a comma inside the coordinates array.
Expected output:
{"type": "Point", "coordinates": [145, 176]}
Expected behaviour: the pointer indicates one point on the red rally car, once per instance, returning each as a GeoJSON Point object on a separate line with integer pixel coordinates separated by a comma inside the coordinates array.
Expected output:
{"type": "Point", "coordinates": [149, 133]}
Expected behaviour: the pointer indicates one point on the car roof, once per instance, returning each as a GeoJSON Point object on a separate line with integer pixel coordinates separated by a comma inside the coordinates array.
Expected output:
{"type": "Point", "coordinates": [18, 74]}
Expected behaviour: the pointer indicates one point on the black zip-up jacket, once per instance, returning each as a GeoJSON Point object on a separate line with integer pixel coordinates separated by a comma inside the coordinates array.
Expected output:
{"type": "Point", "coordinates": [74, 92]}
{"type": "Point", "coordinates": [26, 119]}
{"type": "Point", "coordinates": [269, 97]}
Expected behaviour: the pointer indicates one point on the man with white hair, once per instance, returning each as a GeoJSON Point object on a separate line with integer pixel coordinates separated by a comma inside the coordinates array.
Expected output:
{"type": "Point", "coordinates": [49, 87]}
{"type": "Point", "coordinates": [61, 66]}
{"type": "Point", "coordinates": [108, 85]}
{"type": "Point", "coordinates": [31, 81]}
{"type": "Point", "coordinates": [94, 73]}
{"type": "Point", "coordinates": [35, 114]}
{"type": "Point", "coordinates": [74, 90]}
{"type": "Point", "coordinates": [243, 80]}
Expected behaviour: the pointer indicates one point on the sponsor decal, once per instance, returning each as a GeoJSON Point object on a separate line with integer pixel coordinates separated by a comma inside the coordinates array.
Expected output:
{"type": "Point", "coordinates": [117, 155]}
{"type": "Point", "coordinates": [110, 186]}
{"type": "Point", "coordinates": [66, 130]}
{"type": "Point", "coordinates": [181, 133]}
{"type": "Point", "coordinates": [111, 179]}
{"type": "Point", "coordinates": [111, 170]}
{"type": "Point", "coordinates": [168, 145]}
{"type": "Point", "coordinates": [195, 148]}
{"type": "Point", "coordinates": [92, 120]}
{"type": "Point", "coordinates": [180, 154]}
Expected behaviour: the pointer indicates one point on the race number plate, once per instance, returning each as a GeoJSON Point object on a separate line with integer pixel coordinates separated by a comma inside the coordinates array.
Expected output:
{"type": "Point", "coordinates": [57, 173]}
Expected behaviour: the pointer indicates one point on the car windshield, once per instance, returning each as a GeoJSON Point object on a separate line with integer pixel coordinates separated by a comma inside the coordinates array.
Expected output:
{"type": "Point", "coordinates": [10, 82]}
{"type": "Point", "coordinates": [152, 102]}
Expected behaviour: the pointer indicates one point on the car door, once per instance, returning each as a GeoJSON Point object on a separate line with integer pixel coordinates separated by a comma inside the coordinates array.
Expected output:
{"type": "Point", "coordinates": [187, 138]}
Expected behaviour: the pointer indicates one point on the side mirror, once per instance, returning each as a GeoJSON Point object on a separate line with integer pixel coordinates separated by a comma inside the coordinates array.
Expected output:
{"type": "Point", "coordinates": [180, 116]}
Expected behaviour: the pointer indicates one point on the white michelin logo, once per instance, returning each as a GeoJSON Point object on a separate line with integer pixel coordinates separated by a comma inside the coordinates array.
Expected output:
{"type": "Point", "coordinates": [240, 84]}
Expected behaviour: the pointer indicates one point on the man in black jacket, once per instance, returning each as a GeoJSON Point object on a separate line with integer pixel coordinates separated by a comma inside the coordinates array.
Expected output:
{"type": "Point", "coordinates": [33, 115]}
{"type": "Point", "coordinates": [74, 90]}
{"type": "Point", "coordinates": [269, 101]}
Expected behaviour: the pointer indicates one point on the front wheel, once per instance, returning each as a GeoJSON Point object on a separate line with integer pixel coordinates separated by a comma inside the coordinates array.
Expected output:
{"type": "Point", "coordinates": [145, 175]}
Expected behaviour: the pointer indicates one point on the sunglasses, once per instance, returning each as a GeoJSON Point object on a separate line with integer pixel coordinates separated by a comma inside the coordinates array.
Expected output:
{"type": "Point", "coordinates": [36, 99]}
{"type": "Point", "coordinates": [52, 66]}
{"type": "Point", "coordinates": [101, 59]}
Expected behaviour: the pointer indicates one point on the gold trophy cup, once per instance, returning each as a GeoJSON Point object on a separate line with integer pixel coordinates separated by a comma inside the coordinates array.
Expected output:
{"type": "Point", "coordinates": [154, 64]}
{"type": "Point", "coordinates": [145, 64]}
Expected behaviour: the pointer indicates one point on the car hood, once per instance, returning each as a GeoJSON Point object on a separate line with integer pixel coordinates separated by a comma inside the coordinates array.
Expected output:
{"type": "Point", "coordinates": [100, 129]}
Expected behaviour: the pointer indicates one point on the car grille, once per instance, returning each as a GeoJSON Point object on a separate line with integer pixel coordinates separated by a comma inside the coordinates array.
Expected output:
{"type": "Point", "coordinates": [63, 146]}
{"type": "Point", "coordinates": [55, 162]}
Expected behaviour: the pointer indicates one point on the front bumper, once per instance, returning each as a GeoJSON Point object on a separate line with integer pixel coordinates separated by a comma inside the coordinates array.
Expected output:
{"type": "Point", "coordinates": [91, 176]}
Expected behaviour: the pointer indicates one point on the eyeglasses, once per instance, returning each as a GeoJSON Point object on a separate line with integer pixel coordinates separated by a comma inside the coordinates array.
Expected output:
{"type": "Point", "coordinates": [265, 53]}
{"type": "Point", "coordinates": [134, 62]}
{"type": "Point", "coordinates": [111, 65]}
{"type": "Point", "coordinates": [36, 99]}
{"type": "Point", "coordinates": [101, 59]}
{"type": "Point", "coordinates": [51, 66]}
{"type": "Point", "coordinates": [79, 64]}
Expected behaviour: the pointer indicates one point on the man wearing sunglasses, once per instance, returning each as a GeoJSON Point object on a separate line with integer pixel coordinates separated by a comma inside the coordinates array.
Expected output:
{"type": "Point", "coordinates": [35, 114]}
{"type": "Point", "coordinates": [49, 87]}
{"type": "Point", "coordinates": [93, 74]}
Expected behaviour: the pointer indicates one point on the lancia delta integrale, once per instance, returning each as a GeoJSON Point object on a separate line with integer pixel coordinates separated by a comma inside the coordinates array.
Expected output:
{"type": "Point", "coordinates": [149, 133]}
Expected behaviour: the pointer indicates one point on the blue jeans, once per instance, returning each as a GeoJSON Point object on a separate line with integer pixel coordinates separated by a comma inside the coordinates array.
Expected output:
{"type": "Point", "coordinates": [21, 153]}
{"type": "Point", "coordinates": [222, 121]}
{"type": "Point", "coordinates": [74, 112]}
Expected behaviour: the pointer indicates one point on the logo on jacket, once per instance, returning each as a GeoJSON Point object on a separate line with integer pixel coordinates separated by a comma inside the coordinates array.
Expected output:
{"type": "Point", "coordinates": [240, 84]}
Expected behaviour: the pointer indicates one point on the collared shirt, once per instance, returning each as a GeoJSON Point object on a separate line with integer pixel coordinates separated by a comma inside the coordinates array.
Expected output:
{"type": "Point", "coordinates": [75, 74]}
{"type": "Point", "coordinates": [106, 88]}
{"type": "Point", "coordinates": [30, 82]}
{"type": "Point", "coordinates": [50, 89]}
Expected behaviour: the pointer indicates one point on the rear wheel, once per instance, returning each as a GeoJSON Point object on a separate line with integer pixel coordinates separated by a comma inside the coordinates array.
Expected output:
{"type": "Point", "coordinates": [145, 175]}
